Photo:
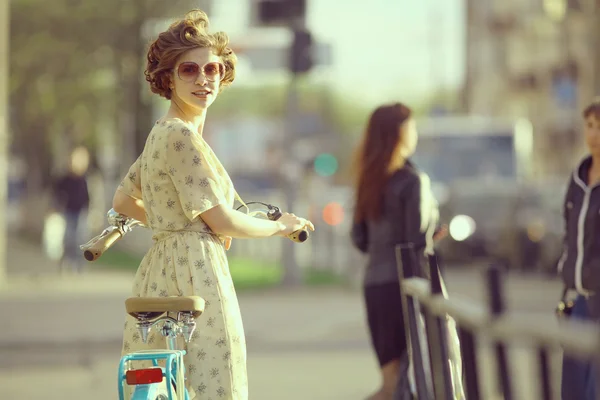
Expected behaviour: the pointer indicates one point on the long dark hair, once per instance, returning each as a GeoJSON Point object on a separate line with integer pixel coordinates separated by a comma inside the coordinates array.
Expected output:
{"type": "Point", "coordinates": [375, 158]}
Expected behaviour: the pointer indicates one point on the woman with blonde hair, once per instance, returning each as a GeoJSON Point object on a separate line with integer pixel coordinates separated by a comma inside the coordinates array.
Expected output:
{"type": "Point", "coordinates": [179, 189]}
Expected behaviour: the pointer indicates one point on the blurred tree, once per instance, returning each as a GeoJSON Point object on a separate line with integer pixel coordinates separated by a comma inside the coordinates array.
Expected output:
{"type": "Point", "coordinates": [342, 115]}
{"type": "Point", "coordinates": [243, 100]}
{"type": "Point", "coordinates": [76, 74]}
{"type": "Point", "coordinates": [443, 100]}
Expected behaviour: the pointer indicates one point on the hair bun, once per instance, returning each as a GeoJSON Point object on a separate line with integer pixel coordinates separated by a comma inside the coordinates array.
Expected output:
{"type": "Point", "coordinates": [197, 18]}
{"type": "Point", "coordinates": [195, 24]}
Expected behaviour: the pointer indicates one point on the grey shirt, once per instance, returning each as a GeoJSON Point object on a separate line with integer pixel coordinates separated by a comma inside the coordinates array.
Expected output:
{"type": "Point", "coordinates": [410, 215]}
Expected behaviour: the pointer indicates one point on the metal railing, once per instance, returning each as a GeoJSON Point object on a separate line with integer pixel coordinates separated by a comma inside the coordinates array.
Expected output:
{"type": "Point", "coordinates": [430, 350]}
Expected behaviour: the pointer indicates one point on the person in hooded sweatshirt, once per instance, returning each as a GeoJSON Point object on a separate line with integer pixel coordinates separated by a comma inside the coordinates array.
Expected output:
{"type": "Point", "coordinates": [580, 261]}
{"type": "Point", "coordinates": [394, 205]}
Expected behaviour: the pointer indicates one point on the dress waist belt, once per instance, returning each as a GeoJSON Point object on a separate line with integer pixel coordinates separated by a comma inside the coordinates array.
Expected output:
{"type": "Point", "coordinates": [159, 236]}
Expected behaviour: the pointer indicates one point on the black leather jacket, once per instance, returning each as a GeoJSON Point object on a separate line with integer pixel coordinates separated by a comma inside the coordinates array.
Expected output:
{"type": "Point", "coordinates": [410, 215]}
{"type": "Point", "coordinates": [580, 261]}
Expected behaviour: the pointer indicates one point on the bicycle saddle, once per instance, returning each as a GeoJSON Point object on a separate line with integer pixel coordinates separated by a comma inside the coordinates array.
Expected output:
{"type": "Point", "coordinates": [152, 307]}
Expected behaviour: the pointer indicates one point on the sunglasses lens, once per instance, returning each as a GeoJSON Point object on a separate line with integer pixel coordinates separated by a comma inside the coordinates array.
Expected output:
{"type": "Point", "coordinates": [214, 71]}
{"type": "Point", "coordinates": [188, 71]}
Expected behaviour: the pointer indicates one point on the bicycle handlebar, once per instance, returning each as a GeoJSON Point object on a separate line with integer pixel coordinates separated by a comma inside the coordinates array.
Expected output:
{"type": "Point", "coordinates": [299, 236]}
{"type": "Point", "coordinates": [101, 243]}
{"type": "Point", "coordinates": [120, 225]}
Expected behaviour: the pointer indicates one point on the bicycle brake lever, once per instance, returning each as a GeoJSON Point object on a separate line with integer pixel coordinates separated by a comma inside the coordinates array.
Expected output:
{"type": "Point", "coordinates": [274, 213]}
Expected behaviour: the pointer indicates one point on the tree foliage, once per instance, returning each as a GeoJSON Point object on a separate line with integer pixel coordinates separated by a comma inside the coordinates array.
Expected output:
{"type": "Point", "coordinates": [75, 73]}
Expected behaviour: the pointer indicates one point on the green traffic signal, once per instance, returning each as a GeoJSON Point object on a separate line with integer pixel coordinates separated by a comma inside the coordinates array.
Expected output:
{"type": "Point", "coordinates": [325, 164]}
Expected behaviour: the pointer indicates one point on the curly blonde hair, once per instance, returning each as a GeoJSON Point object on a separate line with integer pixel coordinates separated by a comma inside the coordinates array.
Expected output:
{"type": "Point", "coordinates": [185, 34]}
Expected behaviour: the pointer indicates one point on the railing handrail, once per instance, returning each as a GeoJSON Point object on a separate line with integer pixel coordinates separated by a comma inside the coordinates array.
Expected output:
{"type": "Point", "coordinates": [575, 337]}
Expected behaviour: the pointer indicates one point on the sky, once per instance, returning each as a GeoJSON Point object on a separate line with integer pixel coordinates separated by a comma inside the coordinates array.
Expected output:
{"type": "Point", "coordinates": [382, 50]}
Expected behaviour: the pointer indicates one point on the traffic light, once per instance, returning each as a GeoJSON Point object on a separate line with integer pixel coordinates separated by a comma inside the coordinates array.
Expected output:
{"type": "Point", "coordinates": [290, 14]}
{"type": "Point", "coordinates": [333, 214]}
{"type": "Point", "coordinates": [325, 164]}
{"type": "Point", "coordinates": [301, 57]}
{"type": "Point", "coordinates": [280, 12]}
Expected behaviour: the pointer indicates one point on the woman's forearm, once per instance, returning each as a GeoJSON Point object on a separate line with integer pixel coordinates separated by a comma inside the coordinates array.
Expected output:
{"type": "Point", "coordinates": [130, 207]}
{"type": "Point", "coordinates": [228, 222]}
{"type": "Point", "coordinates": [245, 226]}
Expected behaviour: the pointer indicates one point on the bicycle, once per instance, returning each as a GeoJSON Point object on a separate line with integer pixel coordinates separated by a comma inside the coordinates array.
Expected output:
{"type": "Point", "coordinates": [175, 316]}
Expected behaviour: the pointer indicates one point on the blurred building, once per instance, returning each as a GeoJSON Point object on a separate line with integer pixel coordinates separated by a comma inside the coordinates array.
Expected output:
{"type": "Point", "coordinates": [534, 59]}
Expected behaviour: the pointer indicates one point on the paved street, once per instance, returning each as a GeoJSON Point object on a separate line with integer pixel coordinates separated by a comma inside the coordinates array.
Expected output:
{"type": "Point", "coordinates": [63, 337]}
{"type": "Point", "coordinates": [301, 345]}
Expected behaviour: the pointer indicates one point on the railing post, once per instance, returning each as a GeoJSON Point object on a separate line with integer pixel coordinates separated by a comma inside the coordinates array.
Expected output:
{"type": "Point", "coordinates": [407, 268]}
{"type": "Point", "coordinates": [437, 338]}
{"type": "Point", "coordinates": [497, 308]}
{"type": "Point", "coordinates": [544, 364]}
{"type": "Point", "coordinates": [468, 350]}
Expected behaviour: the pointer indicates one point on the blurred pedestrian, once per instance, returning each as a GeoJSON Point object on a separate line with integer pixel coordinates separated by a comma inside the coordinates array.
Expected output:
{"type": "Point", "coordinates": [182, 192]}
{"type": "Point", "coordinates": [71, 199]}
{"type": "Point", "coordinates": [394, 205]}
{"type": "Point", "coordinates": [580, 261]}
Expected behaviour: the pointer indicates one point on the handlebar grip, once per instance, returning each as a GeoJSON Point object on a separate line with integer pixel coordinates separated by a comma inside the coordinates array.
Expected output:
{"type": "Point", "coordinates": [94, 252]}
{"type": "Point", "coordinates": [299, 236]}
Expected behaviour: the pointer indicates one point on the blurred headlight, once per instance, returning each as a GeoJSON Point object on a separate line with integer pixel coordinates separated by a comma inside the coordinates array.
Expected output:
{"type": "Point", "coordinates": [461, 227]}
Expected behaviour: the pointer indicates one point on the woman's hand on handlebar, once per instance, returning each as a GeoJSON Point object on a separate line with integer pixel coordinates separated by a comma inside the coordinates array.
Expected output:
{"type": "Point", "coordinates": [290, 223]}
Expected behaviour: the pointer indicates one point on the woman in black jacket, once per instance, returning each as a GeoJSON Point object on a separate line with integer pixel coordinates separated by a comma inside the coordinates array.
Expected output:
{"type": "Point", "coordinates": [394, 204]}
{"type": "Point", "coordinates": [580, 261]}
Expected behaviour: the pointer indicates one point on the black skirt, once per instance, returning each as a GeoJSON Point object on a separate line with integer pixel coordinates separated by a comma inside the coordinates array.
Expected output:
{"type": "Point", "coordinates": [386, 321]}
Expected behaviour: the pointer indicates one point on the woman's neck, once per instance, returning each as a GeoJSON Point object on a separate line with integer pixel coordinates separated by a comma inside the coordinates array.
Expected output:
{"type": "Point", "coordinates": [397, 163]}
{"type": "Point", "coordinates": [187, 114]}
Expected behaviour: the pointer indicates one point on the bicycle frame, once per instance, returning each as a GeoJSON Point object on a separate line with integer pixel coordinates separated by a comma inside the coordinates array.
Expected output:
{"type": "Point", "coordinates": [170, 374]}
{"type": "Point", "coordinates": [172, 359]}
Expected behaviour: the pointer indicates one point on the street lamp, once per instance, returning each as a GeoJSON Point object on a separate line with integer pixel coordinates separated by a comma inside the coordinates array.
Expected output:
{"type": "Point", "coordinates": [4, 35]}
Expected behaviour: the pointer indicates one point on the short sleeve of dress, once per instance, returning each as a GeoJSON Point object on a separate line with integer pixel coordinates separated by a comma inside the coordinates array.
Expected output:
{"type": "Point", "coordinates": [131, 185]}
{"type": "Point", "coordinates": [193, 172]}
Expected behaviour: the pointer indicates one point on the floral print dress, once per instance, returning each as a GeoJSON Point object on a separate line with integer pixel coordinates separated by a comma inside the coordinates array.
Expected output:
{"type": "Point", "coordinates": [178, 177]}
